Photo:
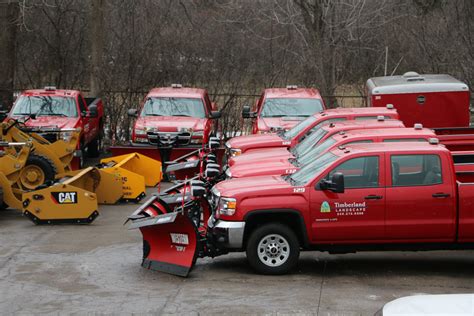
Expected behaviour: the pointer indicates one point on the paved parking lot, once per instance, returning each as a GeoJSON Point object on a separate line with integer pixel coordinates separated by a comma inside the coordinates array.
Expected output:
{"type": "Point", "coordinates": [96, 269]}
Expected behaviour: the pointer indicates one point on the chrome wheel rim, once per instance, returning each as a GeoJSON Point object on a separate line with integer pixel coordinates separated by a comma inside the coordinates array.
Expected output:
{"type": "Point", "coordinates": [273, 250]}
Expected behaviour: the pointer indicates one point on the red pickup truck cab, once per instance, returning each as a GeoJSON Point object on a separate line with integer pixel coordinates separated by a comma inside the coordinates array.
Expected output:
{"type": "Point", "coordinates": [281, 166]}
{"type": "Point", "coordinates": [63, 109]}
{"type": "Point", "coordinates": [262, 156]}
{"type": "Point", "coordinates": [175, 116]}
{"type": "Point", "coordinates": [279, 109]}
{"type": "Point", "coordinates": [370, 196]}
{"type": "Point", "coordinates": [242, 144]}
{"type": "Point", "coordinates": [434, 100]}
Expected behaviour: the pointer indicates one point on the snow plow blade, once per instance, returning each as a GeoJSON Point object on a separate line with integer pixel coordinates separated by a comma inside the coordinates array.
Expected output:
{"type": "Point", "coordinates": [107, 186]}
{"type": "Point", "coordinates": [148, 168]}
{"type": "Point", "coordinates": [170, 239]}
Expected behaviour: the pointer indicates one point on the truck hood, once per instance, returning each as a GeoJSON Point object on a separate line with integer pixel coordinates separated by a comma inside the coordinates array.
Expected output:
{"type": "Point", "coordinates": [252, 186]}
{"type": "Point", "coordinates": [260, 156]}
{"type": "Point", "coordinates": [170, 123]}
{"type": "Point", "coordinates": [275, 167]}
{"type": "Point", "coordinates": [257, 141]}
{"type": "Point", "coordinates": [52, 121]}
{"type": "Point", "coordinates": [287, 122]}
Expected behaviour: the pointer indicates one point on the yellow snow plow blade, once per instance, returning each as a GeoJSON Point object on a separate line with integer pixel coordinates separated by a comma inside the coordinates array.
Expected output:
{"type": "Point", "coordinates": [145, 166]}
{"type": "Point", "coordinates": [60, 203]}
{"type": "Point", "coordinates": [106, 185]}
{"type": "Point", "coordinates": [136, 172]}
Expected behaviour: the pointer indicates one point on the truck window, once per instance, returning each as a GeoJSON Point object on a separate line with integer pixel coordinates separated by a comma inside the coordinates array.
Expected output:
{"type": "Point", "coordinates": [45, 106]}
{"type": "Point", "coordinates": [188, 107]}
{"type": "Point", "coordinates": [279, 107]}
{"type": "Point", "coordinates": [415, 170]}
{"type": "Point", "coordinates": [82, 105]}
{"type": "Point", "coordinates": [362, 172]}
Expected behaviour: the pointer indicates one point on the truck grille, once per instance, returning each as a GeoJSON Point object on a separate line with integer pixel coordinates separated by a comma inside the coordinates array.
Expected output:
{"type": "Point", "coordinates": [169, 138]}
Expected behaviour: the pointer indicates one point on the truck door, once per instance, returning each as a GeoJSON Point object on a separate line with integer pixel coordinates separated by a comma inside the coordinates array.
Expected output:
{"type": "Point", "coordinates": [356, 215]}
{"type": "Point", "coordinates": [420, 199]}
{"type": "Point", "coordinates": [85, 120]}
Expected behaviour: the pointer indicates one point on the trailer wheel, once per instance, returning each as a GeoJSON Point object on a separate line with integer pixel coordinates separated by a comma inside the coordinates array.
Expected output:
{"type": "Point", "coordinates": [37, 171]}
{"type": "Point", "coordinates": [273, 249]}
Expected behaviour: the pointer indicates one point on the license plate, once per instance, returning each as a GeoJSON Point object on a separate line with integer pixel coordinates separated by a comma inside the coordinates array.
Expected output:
{"type": "Point", "coordinates": [181, 239]}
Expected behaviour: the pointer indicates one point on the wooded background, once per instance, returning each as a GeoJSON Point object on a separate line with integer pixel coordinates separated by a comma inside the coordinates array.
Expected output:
{"type": "Point", "coordinates": [119, 49]}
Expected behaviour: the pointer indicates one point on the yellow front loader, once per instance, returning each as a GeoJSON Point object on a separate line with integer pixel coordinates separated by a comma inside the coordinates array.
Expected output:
{"type": "Point", "coordinates": [57, 202]}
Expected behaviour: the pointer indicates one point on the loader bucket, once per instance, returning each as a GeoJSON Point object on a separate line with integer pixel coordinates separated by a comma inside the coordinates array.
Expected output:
{"type": "Point", "coordinates": [106, 185]}
{"type": "Point", "coordinates": [170, 239]}
{"type": "Point", "coordinates": [59, 204]}
{"type": "Point", "coordinates": [140, 164]}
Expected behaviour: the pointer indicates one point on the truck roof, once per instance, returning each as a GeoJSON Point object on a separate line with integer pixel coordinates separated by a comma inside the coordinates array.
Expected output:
{"type": "Point", "coordinates": [389, 148]}
{"type": "Point", "coordinates": [412, 82]}
{"type": "Point", "coordinates": [292, 92]}
{"type": "Point", "coordinates": [178, 92]}
{"type": "Point", "coordinates": [362, 111]}
{"type": "Point", "coordinates": [345, 125]}
{"type": "Point", "coordinates": [403, 131]}
{"type": "Point", "coordinates": [51, 91]}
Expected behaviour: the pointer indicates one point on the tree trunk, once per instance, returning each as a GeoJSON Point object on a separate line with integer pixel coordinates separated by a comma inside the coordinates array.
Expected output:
{"type": "Point", "coordinates": [8, 18]}
{"type": "Point", "coordinates": [97, 45]}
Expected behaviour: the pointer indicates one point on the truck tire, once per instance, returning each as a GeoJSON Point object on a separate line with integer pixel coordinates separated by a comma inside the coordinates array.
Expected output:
{"type": "Point", "coordinates": [37, 171]}
{"type": "Point", "coordinates": [273, 249]}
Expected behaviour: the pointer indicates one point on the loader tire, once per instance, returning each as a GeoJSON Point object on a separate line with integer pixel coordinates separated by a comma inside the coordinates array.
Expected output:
{"type": "Point", "coordinates": [273, 249]}
{"type": "Point", "coordinates": [37, 171]}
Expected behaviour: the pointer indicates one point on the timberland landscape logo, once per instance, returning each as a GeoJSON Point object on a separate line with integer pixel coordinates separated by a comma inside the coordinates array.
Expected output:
{"type": "Point", "coordinates": [325, 208]}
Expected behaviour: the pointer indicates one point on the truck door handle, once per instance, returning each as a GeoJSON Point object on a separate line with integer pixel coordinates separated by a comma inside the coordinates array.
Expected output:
{"type": "Point", "coordinates": [441, 195]}
{"type": "Point", "coordinates": [373, 197]}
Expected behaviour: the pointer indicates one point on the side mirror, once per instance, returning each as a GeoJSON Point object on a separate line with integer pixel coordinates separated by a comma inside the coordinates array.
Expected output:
{"type": "Point", "coordinates": [336, 184]}
{"type": "Point", "coordinates": [211, 173]}
{"type": "Point", "coordinates": [213, 165]}
{"type": "Point", "coordinates": [214, 139]}
{"type": "Point", "coordinates": [246, 112]}
{"type": "Point", "coordinates": [132, 113]}
{"type": "Point", "coordinates": [213, 145]}
{"type": "Point", "coordinates": [93, 113]}
{"type": "Point", "coordinates": [215, 114]}
{"type": "Point", "coordinates": [198, 191]}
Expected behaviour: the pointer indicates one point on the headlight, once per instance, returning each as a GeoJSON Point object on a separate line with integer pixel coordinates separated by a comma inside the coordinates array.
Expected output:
{"type": "Point", "coordinates": [185, 130]}
{"type": "Point", "coordinates": [140, 131]}
{"type": "Point", "coordinates": [228, 174]}
{"type": "Point", "coordinates": [235, 152]}
{"type": "Point", "coordinates": [227, 206]}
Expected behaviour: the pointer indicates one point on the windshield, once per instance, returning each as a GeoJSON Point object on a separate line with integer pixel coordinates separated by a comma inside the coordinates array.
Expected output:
{"type": "Point", "coordinates": [191, 107]}
{"type": "Point", "coordinates": [309, 142]}
{"type": "Point", "coordinates": [314, 152]}
{"type": "Point", "coordinates": [45, 106]}
{"type": "Point", "coordinates": [278, 107]}
{"type": "Point", "coordinates": [292, 133]}
{"type": "Point", "coordinates": [311, 170]}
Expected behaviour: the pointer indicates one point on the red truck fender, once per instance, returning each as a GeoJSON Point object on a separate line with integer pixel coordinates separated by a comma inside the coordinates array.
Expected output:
{"type": "Point", "coordinates": [292, 218]}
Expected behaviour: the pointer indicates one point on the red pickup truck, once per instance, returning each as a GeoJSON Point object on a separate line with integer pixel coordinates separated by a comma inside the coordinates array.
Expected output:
{"type": "Point", "coordinates": [374, 196]}
{"type": "Point", "coordinates": [242, 144]}
{"type": "Point", "coordinates": [285, 165]}
{"type": "Point", "coordinates": [262, 156]}
{"type": "Point", "coordinates": [279, 109]}
{"type": "Point", "coordinates": [63, 109]}
{"type": "Point", "coordinates": [175, 117]}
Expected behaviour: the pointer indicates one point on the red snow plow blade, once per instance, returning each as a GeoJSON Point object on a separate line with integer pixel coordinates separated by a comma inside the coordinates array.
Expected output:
{"type": "Point", "coordinates": [170, 239]}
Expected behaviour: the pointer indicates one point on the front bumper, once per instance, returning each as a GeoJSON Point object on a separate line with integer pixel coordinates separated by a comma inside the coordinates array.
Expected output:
{"type": "Point", "coordinates": [227, 234]}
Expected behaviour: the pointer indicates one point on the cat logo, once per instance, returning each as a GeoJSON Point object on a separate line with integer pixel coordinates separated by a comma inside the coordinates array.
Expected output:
{"type": "Point", "coordinates": [325, 208]}
{"type": "Point", "coordinates": [64, 197]}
